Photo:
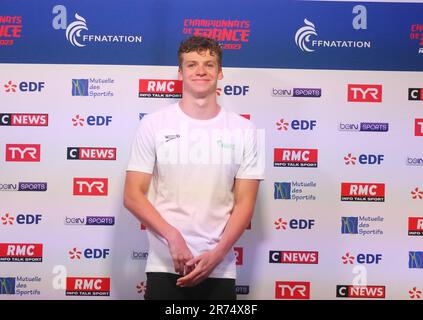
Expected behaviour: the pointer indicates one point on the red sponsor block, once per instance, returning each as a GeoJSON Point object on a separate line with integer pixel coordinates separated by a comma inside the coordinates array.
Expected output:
{"type": "Point", "coordinates": [23, 152]}
{"type": "Point", "coordinates": [365, 93]}
{"type": "Point", "coordinates": [90, 186]}
{"type": "Point", "coordinates": [87, 286]}
{"type": "Point", "coordinates": [292, 290]}
{"type": "Point", "coordinates": [363, 191]}
{"type": "Point", "coordinates": [284, 157]}
{"type": "Point", "coordinates": [21, 252]}
{"type": "Point", "coordinates": [160, 88]}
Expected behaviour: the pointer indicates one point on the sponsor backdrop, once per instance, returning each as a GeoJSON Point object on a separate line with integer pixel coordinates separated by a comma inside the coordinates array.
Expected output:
{"type": "Point", "coordinates": [335, 87]}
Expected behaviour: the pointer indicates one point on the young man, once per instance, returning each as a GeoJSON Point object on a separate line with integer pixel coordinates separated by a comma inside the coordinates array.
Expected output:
{"type": "Point", "coordinates": [203, 165]}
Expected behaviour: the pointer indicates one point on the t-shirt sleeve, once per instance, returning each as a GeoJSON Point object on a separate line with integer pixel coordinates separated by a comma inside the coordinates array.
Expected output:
{"type": "Point", "coordinates": [143, 154]}
{"type": "Point", "coordinates": [253, 159]}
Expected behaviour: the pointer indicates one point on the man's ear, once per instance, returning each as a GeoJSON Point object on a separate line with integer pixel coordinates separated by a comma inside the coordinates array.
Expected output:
{"type": "Point", "coordinates": [179, 74]}
{"type": "Point", "coordinates": [220, 74]}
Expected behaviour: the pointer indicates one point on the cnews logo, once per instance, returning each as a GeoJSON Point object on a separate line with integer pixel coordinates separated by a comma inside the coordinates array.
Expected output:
{"type": "Point", "coordinates": [374, 192]}
{"type": "Point", "coordinates": [297, 92]}
{"type": "Point", "coordinates": [292, 290]}
{"type": "Point", "coordinates": [415, 94]}
{"type": "Point", "coordinates": [88, 153]}
{"type": "Point", "coordinates": [349, 291]}
{"type": "Point", "coordinates": [84, 286]}
{"type": "Point", "coordinates": [23, 152]}
{"type": "Point", "coordinates": [24, 119]}
{"type": "Point", "coordinates": [296, 257]}
{"type": "Point", "coordinates": [21, 252]}
{"type": "Point", "coordinates": [90, 186]}
{"type": "Point", "coordinates": [364, 93]}
{"type": "Point", "coordinates": [295, 158]}
{"type": "Point", "coordinates": [153, 88]}
{"type": "Point", "coordinates": [415, 226]}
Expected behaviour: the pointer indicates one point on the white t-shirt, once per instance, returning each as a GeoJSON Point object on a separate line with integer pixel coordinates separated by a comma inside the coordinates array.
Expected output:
{"type": "Point", "coordinates": [194, 163]}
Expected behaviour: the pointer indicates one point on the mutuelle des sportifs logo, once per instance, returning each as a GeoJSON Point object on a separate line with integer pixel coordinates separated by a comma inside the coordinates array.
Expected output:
{"type": "Point", "coordinates": [77, 31]}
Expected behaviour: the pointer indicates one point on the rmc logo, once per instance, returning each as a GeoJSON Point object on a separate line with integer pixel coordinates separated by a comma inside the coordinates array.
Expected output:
{"type": "Point", "coordinates": [155, 88]}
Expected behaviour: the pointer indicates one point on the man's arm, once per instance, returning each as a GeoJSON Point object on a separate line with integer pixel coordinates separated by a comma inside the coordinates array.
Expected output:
{"type": "Point", "coordinates": [135, 200]}
{"type": "Point", "coordinates": [245, 192]}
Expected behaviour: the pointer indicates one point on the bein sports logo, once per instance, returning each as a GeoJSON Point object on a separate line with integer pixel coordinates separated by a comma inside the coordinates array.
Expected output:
{"type": "Point", "coordinates": [302, 36]}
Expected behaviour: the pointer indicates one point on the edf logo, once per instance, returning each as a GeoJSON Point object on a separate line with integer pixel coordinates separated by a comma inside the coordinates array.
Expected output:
{"type": "Point", "coordinates": [351, 159]}
{"type": "Point", "coordinates": [89, 253]}
{"type": "Point", "coordinates": [9, 219]}
{"type": "Point", "coordinates": [91, 120]}
{"type": "Point", "coordinates": [233, 90]}
{"type": "Point", "coordinates": [24, 86]}
{"type": "Point", "coordinates": [294, 224]}
{"type": "Point", "coordinates": [302, 125]}
{"type": "Point", "coordinates": [362, 258]}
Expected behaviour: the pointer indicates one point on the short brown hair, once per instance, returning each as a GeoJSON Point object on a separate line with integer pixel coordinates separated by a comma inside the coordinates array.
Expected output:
{"type": "Point", "coordinates": [200, 44]}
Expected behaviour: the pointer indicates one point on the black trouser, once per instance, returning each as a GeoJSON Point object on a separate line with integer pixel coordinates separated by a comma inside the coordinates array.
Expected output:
{"type": "Point", "coordinates": [162, 286]}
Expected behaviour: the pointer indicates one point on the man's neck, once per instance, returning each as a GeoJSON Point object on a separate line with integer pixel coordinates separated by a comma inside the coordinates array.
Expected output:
{"type": "Point", "coordinates": [200, 108]}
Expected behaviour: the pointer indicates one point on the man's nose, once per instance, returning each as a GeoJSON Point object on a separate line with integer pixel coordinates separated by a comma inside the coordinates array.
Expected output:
{"type": "Point", "coordinates": [201, 70]}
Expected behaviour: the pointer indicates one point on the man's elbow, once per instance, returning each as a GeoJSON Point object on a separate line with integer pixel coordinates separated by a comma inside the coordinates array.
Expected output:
{"type": "Point", "coordinates": [128, 200]}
